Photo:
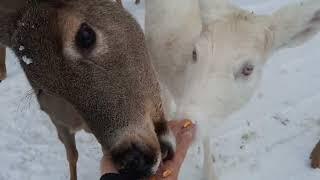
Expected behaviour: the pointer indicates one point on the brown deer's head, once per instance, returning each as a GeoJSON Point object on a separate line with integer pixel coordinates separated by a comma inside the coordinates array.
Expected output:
{"type": "Point", "coordinates": [93, 55]}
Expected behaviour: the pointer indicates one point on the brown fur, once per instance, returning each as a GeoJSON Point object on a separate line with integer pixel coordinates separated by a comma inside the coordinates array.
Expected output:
{"type": "Point", "coordinates": [3, 71]}
{"type": "Point", "coordinates": [315, 156]}
{"type": "Point", "coordinates": [110, 90]}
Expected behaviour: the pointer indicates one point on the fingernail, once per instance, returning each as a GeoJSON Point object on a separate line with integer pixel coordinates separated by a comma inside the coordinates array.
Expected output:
{"type": "Point", "coordinates": [187, 124]}
{"type": "Point", "coordinates": [166, 173]}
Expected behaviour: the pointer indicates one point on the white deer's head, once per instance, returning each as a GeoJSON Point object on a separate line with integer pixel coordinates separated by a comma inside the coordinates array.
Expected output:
{"type": "Point", "coordinates": [233, 48]}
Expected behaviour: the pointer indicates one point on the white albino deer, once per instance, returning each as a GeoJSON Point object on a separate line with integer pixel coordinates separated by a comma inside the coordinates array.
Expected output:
{"type": "Point", "coordinates": [213, 72]}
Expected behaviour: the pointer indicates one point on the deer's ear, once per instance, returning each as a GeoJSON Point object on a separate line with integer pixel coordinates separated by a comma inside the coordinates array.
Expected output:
{"type": "Point", "coordinates": [294, 24]}
{"type": "Point", "coordinates": [11, 6]}
{"type": "Point", "coordinates": [8, 10]}
{"type": "Point", "coordinates": [211, 10]}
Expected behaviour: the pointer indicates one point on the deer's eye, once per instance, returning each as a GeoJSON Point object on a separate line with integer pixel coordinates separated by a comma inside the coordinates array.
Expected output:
{"type": "Point", "coordinates": [194, 55]}
{"type": "Point", "coordinates": [86, 37]}
{"type": "Point", "coordinates": [247, 69]}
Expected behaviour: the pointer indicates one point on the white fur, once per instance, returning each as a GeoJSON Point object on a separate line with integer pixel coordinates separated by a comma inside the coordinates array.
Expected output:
{"type": "Point", "coordinates": [156, 165]}
{"type": "Point", "coordinates": [225, 38]}
{"type": "Point", "coordinates": [26, 60]}
{"type": "Point", "coordinates": [164, 35]}
{"type": "Point", "coordinates": [170, 139]}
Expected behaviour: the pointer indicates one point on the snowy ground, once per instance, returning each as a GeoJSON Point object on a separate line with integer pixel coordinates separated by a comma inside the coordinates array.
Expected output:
{"type": "Point", "coordinates": [271, 138]}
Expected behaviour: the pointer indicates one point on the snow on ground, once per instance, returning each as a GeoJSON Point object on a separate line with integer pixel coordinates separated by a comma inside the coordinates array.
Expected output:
{"type": "Point", "coordinates": [270, 138]}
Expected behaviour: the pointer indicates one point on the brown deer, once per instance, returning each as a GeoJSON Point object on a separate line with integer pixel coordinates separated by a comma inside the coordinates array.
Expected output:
{"type": "Point", "coordinates": [3, 71]}
{"type": "Point", "coordinates": [88, 65]}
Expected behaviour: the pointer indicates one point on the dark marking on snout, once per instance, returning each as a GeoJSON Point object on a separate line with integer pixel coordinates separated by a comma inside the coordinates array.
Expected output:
{"type": "Point", "coordinates": [135, 161]}
{"type": "Point", "coordinates": [39, 92]}
{"type": "Point", "coordinates": [167, 149]}
{"type": "Point", "coordinates": [161, 127]}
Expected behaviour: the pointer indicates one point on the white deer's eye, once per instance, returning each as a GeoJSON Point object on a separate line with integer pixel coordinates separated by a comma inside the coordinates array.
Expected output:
{"type": "Point", "coordinates": [247, 69]}
{"type": "Point", "coordinates": [194, 55]}
{"type": "Point", "coordinates": [244, 72]}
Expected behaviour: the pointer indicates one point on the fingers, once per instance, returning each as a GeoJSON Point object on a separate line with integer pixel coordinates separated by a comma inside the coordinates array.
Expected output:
{"type": "Point", "coordinates": [184, 140]}
{"type": "Point", "coordinates": [177, 125]}
{"type": "Point", "coordinates": [184, 137]}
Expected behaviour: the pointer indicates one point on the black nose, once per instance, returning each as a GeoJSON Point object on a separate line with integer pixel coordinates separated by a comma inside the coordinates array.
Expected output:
{"type": "Point", "coordinates": [136, 162]}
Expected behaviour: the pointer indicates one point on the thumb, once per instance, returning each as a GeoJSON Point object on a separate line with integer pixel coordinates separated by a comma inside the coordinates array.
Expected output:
{"type": "Point", "coordinates": [106, 165]}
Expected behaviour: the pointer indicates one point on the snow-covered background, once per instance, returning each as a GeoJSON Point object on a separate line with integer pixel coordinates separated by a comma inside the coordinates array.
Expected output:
{"type": "Point", "coordinates": [270, 138]}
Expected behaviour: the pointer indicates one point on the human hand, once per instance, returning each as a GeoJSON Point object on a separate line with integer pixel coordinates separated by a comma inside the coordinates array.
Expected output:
{"type": "Point", "coordinates": [184, 138]}
{"type": "Point", "coordinates": [106, 165]}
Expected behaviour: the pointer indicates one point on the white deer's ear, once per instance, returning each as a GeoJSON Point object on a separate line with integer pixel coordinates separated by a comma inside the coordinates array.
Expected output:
{"type": "Point", "coordinates": [212, 10]}
{"type": "Point", "coordinates": [295, 24]}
